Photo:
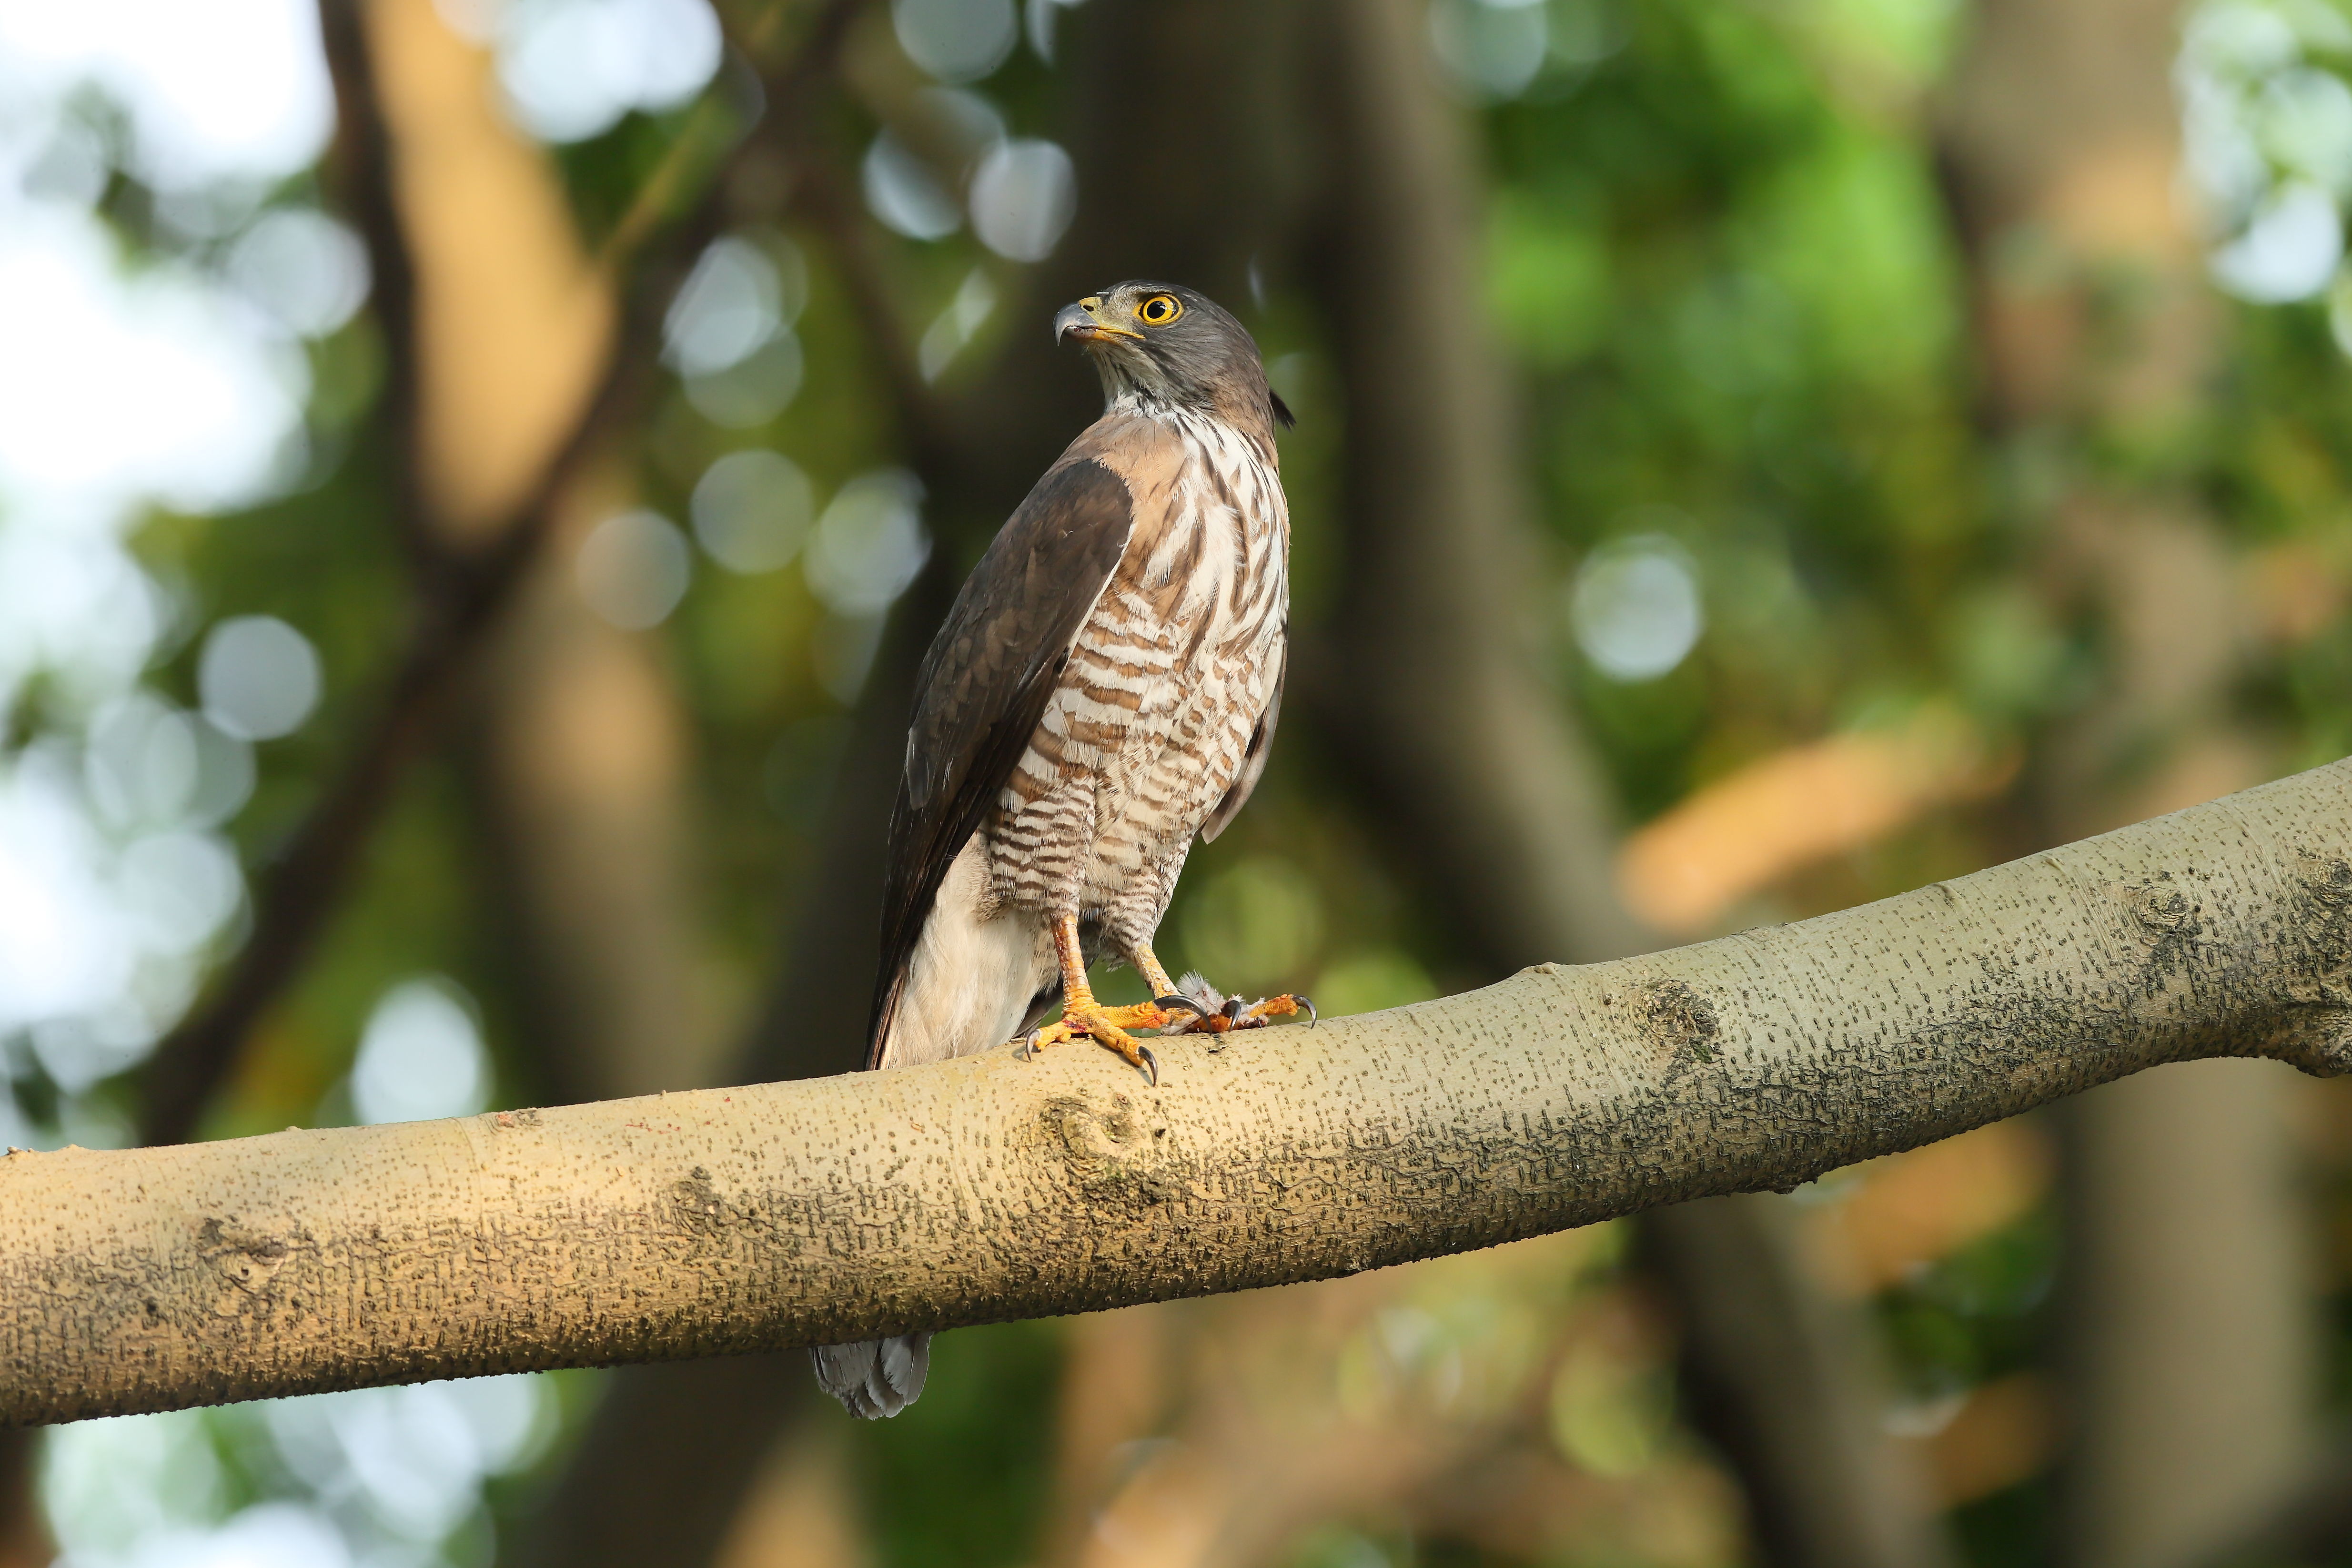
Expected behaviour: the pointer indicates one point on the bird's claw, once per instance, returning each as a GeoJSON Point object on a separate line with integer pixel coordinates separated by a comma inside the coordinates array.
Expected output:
{"type": "Point", "coordinates": [1100, 1025]}
{"type": "Point", "coordinates": [1176, 999]}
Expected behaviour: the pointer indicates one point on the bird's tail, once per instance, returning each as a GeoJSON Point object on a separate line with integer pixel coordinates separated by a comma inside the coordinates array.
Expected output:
{"type": "Point", "coordinates": [969, 982]}
{"type": "Point", "coordinates": [873, 1378]}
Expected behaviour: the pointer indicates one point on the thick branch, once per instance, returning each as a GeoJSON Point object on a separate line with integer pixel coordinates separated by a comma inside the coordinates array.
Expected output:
{"type": "Point", "coordinates": [989, 1188]}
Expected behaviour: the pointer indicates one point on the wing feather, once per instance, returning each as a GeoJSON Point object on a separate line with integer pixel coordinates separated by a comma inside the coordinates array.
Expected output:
{"type": "Point", "coordinates": [984, 685]}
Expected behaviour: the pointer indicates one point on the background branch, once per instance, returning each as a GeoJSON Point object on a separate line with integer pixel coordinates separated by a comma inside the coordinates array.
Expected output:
{"type": "Point", "coordinates": [362, 156]}
{"type": "Point", "coordinates": [464, 597]}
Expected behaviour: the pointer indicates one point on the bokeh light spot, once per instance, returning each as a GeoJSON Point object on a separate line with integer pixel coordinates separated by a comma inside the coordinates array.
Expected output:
{"type": "Point", "coordinates": [632, 569]}
{"type": "Point", "coordinates": [1494, 48]}
{"type": "Point", "coordinates": [903, 193]}
{"type": "Point", "coordinates": [303, 267]}
{"type": "Point", "coordinates": [258, 677]}
{"type": "Point", "coordinates": [571, 68]}
{"type": "Point", "coordinates": [869, 544]}
{"type": "Point", "coordinates": [2289, 249]}
{"type": "Point", "coordinates": [1634, 606]}
{"type": "Point", "coordinates": [1023, 194]}
{"type": "Point", "coordinates": [420, 1057]}
{"type": "Point", "coordinates": [752, 510]}
{"type": "Point", "coordinates": [956, 40]}
{"type": "Point", "coordinates": [753, 391]}
{"type": "Point", "coordinates": [729, 305]}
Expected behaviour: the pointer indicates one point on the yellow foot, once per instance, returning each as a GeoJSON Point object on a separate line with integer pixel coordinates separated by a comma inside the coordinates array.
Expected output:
{"type": "Point", "coordinates": [1108, 1026]}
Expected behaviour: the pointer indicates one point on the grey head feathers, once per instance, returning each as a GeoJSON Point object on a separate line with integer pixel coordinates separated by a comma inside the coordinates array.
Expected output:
{"type": "Point", "coordinates": [1164, 344]}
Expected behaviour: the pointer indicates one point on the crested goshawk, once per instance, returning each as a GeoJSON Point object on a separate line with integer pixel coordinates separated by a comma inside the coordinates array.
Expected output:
{"type": "Point", "coordinates": [1103, 691]}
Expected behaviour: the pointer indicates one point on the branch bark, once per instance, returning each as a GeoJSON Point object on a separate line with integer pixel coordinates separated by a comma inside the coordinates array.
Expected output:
{"type": "Point", "coordinates": [990, 1188]}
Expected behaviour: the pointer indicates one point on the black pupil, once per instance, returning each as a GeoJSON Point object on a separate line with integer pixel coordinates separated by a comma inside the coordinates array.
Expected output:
{"type": "Point", "coordinates": [1156, 312]}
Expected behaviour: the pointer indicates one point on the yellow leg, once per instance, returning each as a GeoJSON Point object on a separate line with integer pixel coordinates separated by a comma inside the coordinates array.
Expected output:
{"type": "Point", "coordinates": [1108, 1026]}
{"type": "Point", "coordinates": [1155, 973]}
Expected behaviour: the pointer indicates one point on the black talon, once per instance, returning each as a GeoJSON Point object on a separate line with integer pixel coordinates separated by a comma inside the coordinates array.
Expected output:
{"type": "Point", "coordinates": [1174, 1001]}
{"type": "Point", "coordinates": [1233, 1008]}
{"type": "Point", "coordinates": [1306, 1004]}
{"type": "Point", "coordinates": [1151, 1062]}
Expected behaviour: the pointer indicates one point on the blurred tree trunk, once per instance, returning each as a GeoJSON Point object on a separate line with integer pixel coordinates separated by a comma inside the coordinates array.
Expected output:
{"type": "Point", "coordinates": [577, 763]}
{"type": "Point", "coordinates": [24, 1535]}
{"type": "Point", "coordinates": [2186, 1344]}
{"type": "Point", "coordinates": [802, 1508]}
{"type": "Point", "coordinates": [577, 753]}
{"type": "Point", "coordinates": [1428, 681]}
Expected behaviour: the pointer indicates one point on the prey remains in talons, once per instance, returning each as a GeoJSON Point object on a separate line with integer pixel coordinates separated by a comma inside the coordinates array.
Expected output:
{"type": "Point", "coordinates": [1219, 1014]}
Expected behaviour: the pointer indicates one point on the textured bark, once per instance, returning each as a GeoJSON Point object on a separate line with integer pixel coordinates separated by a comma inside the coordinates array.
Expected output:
{"type": "Point", "coordinates": [1430, 684]}
{"type": "Point", "coordinates": [2186, 1341]}
{"type": "Point", "coordinates": [512, 319]}
{"type": "Point", "coordinates": [990, 1188]}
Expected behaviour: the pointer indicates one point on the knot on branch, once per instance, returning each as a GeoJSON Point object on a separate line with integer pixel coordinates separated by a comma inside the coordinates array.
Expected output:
{"type": "Point", "coordinates": [2317, 1034]}
{"type": "Point", "coordinates": [2329, 883]}
{"type": "Point", "coordinates": [1677, 1018]}
{"type": "Point", "coordinates": [2159, 908]}
{"type": "Point", "coordinates": [1115, 1154]}
{"type": "Point", "coordinates": [2169, 921]}
{"type": "Point", "coordinates": [695, 1200]}
{"type": "Point", "coordinates": [245, 1261]}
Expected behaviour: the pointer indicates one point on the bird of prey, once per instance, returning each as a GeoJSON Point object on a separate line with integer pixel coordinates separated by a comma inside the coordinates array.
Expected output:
{"type": "Point", "coordinates": [1103, 691]}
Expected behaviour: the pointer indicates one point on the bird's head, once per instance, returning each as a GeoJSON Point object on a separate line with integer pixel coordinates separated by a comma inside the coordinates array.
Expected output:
{"type": "Point", "coordinates": [1162, 344]}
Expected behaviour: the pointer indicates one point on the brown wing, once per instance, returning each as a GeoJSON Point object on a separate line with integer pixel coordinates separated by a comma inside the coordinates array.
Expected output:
{"type": "Point", "coordinates": [1261, 741]}
{"type": "Point", "coordinates": [984, 686]}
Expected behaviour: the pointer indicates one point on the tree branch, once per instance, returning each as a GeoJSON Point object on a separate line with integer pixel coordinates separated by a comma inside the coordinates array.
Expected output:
{"type": "Point", "coordinates": [990, 1188]}
{"type": "Point", "coordinates": [362, 157]}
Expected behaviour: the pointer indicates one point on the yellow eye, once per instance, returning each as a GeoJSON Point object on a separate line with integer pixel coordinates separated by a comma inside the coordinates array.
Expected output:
{"type": "Point", "coordinates": [1160, 310]}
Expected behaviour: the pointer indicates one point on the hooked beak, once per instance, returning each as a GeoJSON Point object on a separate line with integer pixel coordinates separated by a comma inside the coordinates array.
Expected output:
{"type": "Point", "coordinates": [1084, 321]}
